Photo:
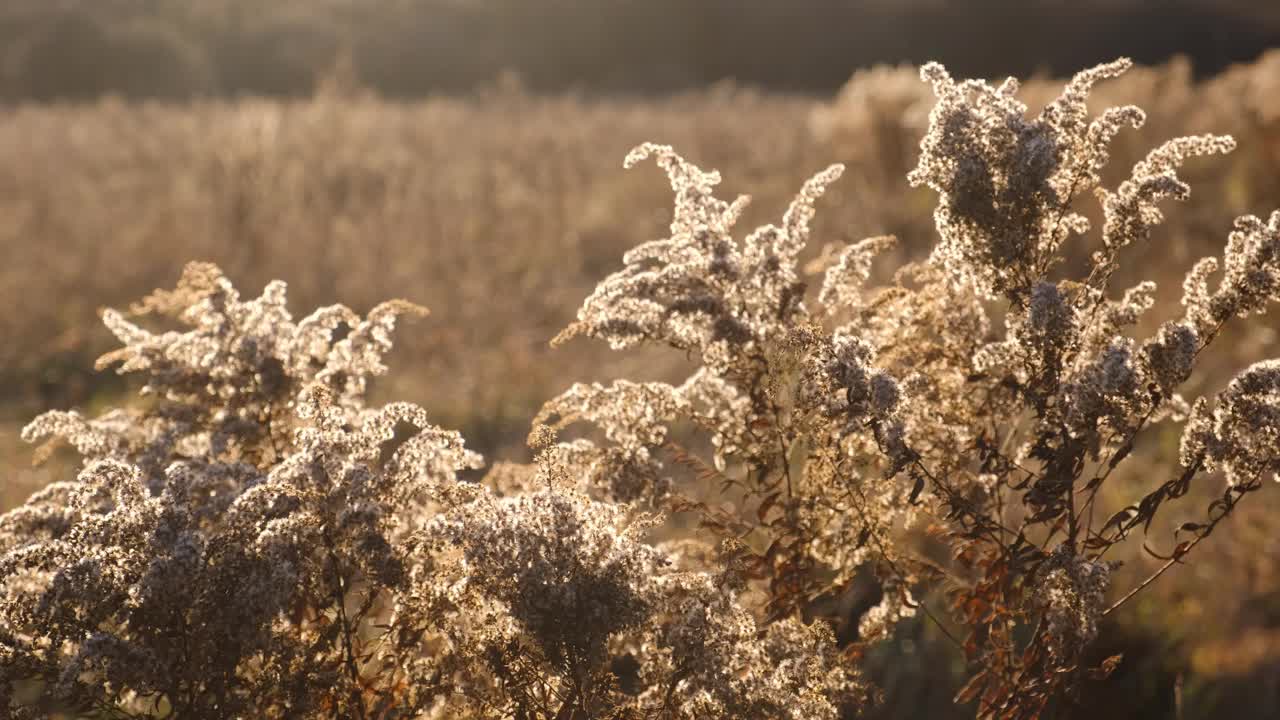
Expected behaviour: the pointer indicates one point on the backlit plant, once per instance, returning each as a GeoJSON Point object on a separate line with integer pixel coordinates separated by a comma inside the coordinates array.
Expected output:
{"type": "Point", "coordinates": [252, 539]}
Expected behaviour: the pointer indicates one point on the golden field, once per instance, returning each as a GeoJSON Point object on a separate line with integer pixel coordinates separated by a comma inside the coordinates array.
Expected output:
{"type": "Point", "coordinates": [500, 211]}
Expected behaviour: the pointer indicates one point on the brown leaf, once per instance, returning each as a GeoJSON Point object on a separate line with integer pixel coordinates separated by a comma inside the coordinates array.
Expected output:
{"type": "Point", "coordinates": [916, 489]}
{"type": "Point", "coordinates": [1104, 670]}
{"type": "Point", "coordinates": [766, 505]}
{"type": "Point", "coordinates": [971, 689]}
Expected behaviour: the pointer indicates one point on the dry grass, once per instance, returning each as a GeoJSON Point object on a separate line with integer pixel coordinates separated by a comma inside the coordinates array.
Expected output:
{"type": "Point", "coordinates": [500, 212]}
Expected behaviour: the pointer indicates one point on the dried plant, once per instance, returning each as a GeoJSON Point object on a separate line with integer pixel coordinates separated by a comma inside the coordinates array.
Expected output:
{"type": "Point", "coordinates": [252, 539]}
{"type": "Point", "coordinates": [835, 433]}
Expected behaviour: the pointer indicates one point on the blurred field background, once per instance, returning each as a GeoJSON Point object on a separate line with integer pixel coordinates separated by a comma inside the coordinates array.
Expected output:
{"type": "Point", "coordinates": [466, 155]}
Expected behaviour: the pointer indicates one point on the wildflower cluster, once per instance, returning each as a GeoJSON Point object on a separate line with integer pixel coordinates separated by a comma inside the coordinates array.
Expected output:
{"type": "Point", "coordinates": [1071, 592]}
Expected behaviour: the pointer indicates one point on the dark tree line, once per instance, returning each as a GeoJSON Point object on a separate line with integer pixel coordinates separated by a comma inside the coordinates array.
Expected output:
{"type": "Point", "coordinates": [76, 49]}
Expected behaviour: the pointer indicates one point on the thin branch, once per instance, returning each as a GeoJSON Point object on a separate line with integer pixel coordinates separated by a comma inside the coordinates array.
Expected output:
{"type": "Point", "coordinates": [340, 601]}
{"type": "Point", "coordinates": [1177, 558]}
